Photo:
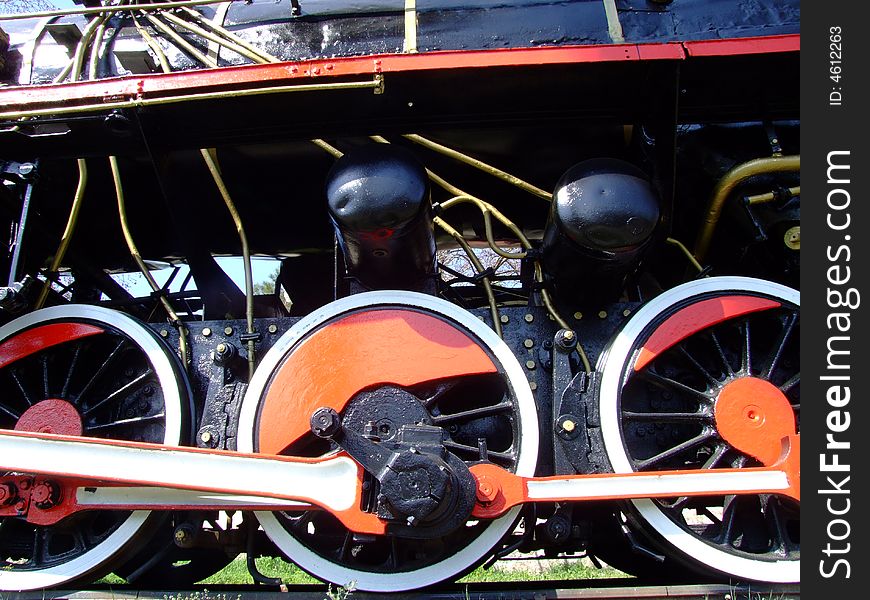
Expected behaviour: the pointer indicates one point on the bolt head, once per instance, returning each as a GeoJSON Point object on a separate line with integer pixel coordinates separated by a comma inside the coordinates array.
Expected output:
{"type": "Point", "coordinates": [273, 328]}
{"type": "Point", "coordinates": [529, 343]}
{"type": "Point", "coordinates": [221, 348]}
{"type": "Point", "coordinates": [325, 422]}
{"type": "Point", "coordinates": [7, 494]}
{"type": "Point", "coordinates": [228, 331]}
{"type": "Point", "coordinates": [487, 489]}
{"type": "Point", "coordinates": [529, 317]}
{"type": "Point", "coordinates": [206, 332]}
{"type": "Point", "coordinates": [569, 425]}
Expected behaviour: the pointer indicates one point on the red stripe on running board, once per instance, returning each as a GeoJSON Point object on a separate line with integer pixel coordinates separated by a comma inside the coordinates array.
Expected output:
{"type": "Point", "coordinates": [163, 84]}
{"type": "Point", "coordinates": [755, 45]}
{"type": "Point", "coordinates": [36, 339]}
{"type": "Point", "coordinates": [694, 318]}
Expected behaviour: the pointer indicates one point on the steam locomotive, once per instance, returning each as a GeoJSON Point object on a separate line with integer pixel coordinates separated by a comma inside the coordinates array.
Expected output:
{"type": "Point", "coordinates": [537, 281]}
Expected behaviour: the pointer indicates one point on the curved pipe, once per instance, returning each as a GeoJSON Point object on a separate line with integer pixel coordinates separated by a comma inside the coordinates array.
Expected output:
{"type": "Point", "coordinates": [726, 185]}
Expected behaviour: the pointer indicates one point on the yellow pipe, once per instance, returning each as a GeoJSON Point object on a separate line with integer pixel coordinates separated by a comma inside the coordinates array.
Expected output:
{"type": "Point", "coordinates": [230, 45]}
{"type": "Point", "coordinates": [222, 31]}
{"type": "Point", "coordinates": [140, 102]}
{"type": "Point", "coordinates": [180, 41]}
{"type": "Point", "coordinates": [210, 157]}
{"type": "Point", "coordinates": [685, 251]}
{"type": "Point", "coordinates": [479, 164]}
{"type": "Point", "coordinates": [771, 196]}
{"type": "Point", "coordinates": [475, 261]}
{"type": "Point", "coordinates": [727, 184]}
{"type": "Point", "coordinates": [137, 257]}
{"type": "Point", "coordinates": [67, 232]}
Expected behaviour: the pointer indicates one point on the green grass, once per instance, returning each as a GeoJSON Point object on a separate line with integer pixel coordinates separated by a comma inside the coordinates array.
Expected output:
{"type": "Point", "coordinates": [237, 573]}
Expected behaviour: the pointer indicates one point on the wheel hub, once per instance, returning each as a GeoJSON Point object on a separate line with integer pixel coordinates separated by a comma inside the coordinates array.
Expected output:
{"type": "Point", "coordinates": [754, 416]}
{"type": "Point", "coordinates": [51, 416]}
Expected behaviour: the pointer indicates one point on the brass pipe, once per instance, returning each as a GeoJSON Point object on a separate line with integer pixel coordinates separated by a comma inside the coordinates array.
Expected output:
{"type": "Point", "coordinates": [94, 62]}
{"type": "Point", "coordinates": [67, 232]}
{"type": "Point", "coordinates": [482, 166]}
{"type": "Point", "coordinates": [335, 152]}
{"type": "Point", "coordinates": [228, 44]}
{"type": "Point", "coordinates": [180, 41]}
{"type": "Point", "coordinates": [210, 157]}
{"type": "Point", "coordinates": [98, 9]}
{"type": "Point", "coordinates": [76, 63]}
{"type": "Point", "coordinates": [475, 261]}
{"type": "Point", "coordinates": [141, 102]}
{"type": "Point", "coordinates": [771, 196]}
{"type": "Point", "coordinates": [152, 43]}
{"type": "Point", "coordinates": [727, 184]}
{"type": "Point", "coordinates": [137, 257]}
{"type": "Point", "coordinates": [223, 31]}
{"type": "Point", "coordinates": [689, 256]}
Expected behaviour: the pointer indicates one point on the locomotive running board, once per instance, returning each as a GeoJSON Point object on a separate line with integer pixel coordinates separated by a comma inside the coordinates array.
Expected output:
{"type": "Point", "coordinates": [223, 480]}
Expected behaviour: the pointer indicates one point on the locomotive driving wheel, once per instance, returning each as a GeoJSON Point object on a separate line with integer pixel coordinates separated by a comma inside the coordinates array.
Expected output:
{"type": "Point", "coordinates": [83, 370]}
{"type": "Point", "coordinates": [684, 369]}
{"type": "Point", "coordinates": [386, 360]}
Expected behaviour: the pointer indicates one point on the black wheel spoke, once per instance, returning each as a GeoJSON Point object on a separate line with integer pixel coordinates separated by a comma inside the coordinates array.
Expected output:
{"type": "Point", "coordinates": [491, 454]}
{"type": "Point", "coordinates": [707, 513]}
{"type": "Point", "coordinates": [698, 366]}
{"type": "Point", "coordinates": [790, 383]}
{"type": "Point", "coordinates": [46, 392]}
{"type": "Point", "coordinates": [14, 374]}
{"type": "Point", "coordinates": [780, 345]}
{"type": "Point", "coordinates": [746, 356]}
{"type": "Point", "coordinates": [4, 409]}
{"type": "Point", "coordinates": [102, 369]}
{"type": "Point", "coordinates": [729, 512]}
{"type": "Point", "coordinates": [721, 353]}
{"type": "Point", "coordinates": [669, 417]}
{"type": "Point", "coordinates": [776, 522]}
{"type": "Point", "coordinates": [69, 374]}
{"type": "Point", "coordinates": [667, 382]}
{"type": "Point", "coordinates": [675, 451]}
{"type": "Point", "coordinates": [718, 455]}
{"type": "Point", "coordinates": [130, 421]}
{"type": "Point", "coordinates": [474, 413]}
{"type": "Point", "coordinates": [119, 393]}
{"type": "Point", "coordinates": [442, 390]}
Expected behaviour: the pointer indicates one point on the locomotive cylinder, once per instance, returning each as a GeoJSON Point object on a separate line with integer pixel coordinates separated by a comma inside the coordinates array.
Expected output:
{"type": "Point", "coordinates": [601, 221]}
{"type": "Point", "coordinates": [379, 204]}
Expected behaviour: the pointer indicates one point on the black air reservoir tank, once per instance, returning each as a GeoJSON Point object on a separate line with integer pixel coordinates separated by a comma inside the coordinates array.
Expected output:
{"type": "Point", "coordinates": [601, 221]}
{"type": "Point", "coordinates": [379, 204]}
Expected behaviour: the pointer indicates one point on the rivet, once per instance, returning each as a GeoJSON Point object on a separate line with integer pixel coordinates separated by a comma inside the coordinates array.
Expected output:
{"type": "Point", "coordinates": [530, 364]}
{"type": "Point", "coordinates": [529, 343]}
{"type": "Point", "coordinates": [568, 425]}
{"type": "Point", "coordinates": [529, 317]}
{"type": "Point", "coordinates": [602, 314]}
{"type": "Point", "coordinates": [504, 318]}
{"type": "Point", "coordinates": [578, 315]}
{"type": "Point", "coordinates": [206, 332]}
{"type": "Point", "coordinates": [228, 331]}
{"type": "Point", "coordinates": [205, 437]}
{"type": "Point", "coordinates": [164, 333]}
{"type": "Point", "coordinates": [273, 328]}
{"type": "Point", "coordinates": [533, 385]}
{"type": "Point", "coordinates": [626, 312]}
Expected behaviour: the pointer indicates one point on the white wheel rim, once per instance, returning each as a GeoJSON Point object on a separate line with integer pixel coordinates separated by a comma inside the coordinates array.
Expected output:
{"type": "Point", "coordinates": [526, 458]}
{"type": "Point", "coordinates": [163, 368]}
{"type": "Point", "coordinates": [612, 365]}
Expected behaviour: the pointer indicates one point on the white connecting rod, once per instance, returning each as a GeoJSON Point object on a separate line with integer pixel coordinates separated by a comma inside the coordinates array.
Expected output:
{"type": "Point", "coordinates": [331, 484]}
